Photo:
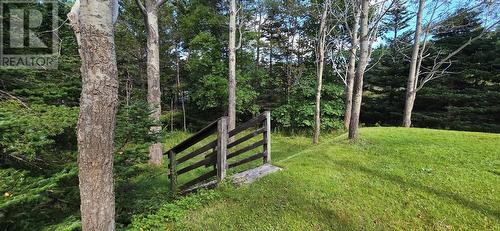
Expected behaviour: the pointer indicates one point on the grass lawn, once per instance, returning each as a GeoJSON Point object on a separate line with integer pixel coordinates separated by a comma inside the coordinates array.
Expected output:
{"type": "Point", "coordinates": [393, 178]}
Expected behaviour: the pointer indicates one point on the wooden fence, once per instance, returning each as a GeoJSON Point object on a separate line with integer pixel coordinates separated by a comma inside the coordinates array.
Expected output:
{"type": "Point", "coordinates": [217, 150]}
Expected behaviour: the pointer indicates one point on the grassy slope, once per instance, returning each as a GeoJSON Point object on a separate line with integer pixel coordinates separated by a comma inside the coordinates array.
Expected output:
{"type": "Point", "coordinates": [393, 179]}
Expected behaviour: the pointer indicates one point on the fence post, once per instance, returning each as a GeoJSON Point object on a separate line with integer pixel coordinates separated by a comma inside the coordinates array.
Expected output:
{"type": "Point", "coordinates": [173, 172]}
{"type": "Point", "coordinates": [221, 148]}
{"type": "Point", "coordinates": [267, 138]}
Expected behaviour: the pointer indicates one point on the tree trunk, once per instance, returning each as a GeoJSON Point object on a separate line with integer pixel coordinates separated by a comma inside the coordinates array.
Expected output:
{"type": "Point", "coordinates": [319, 71]}
{"type": "Point", "coordinates": [231, 112]}
{"type": "Point", "coordinates": [96, 121]}
{"type": "Point", "coordinates": [351, 71]}
{"type": "Point", "coordinates": [360, 70]}
{"type": "Point", "coordinates": [178, 78]}
{"type": "Point", "coordinates": [411, 84]}
{"type": "Point", "coordinates": [257, 59]}
{"type": "Point", "coordinates": [153, 71]}
{"type": "Point", "coordinates": [259, 36]}
{"type": "Point", "coordinates": [172, 114]}
{"type": "Point", "coordinates": [178, 84]}
{"type": "Point", "coordinates": [128, 88]}
{"type": "Point", "coordinates": [270, 61]}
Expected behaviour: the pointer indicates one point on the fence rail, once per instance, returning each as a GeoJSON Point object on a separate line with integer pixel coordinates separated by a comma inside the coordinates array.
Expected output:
{"type": "Point", "coordinates": [218, 150]}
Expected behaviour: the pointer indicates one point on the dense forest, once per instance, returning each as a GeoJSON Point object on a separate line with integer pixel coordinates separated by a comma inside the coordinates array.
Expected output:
{"type": "Point", "coordinates": [277, 55]}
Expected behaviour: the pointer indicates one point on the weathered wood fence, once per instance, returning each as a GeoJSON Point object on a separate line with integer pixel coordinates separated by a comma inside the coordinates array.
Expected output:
{"type": "Point", "coordinates": [217, 150]}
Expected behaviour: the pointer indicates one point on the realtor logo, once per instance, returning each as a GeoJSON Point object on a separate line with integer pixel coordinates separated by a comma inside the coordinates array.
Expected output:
{"type": "Point", "coordinates": [28, 37]}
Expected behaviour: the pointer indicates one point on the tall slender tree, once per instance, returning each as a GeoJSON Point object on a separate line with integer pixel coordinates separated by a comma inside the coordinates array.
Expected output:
{"type": "Point", "coordinates": [351, 68]}
{"type": "Point", "coordinates": [369, 28]}
{"type": "Point", "coordinates": [231, 110]}
{"type": "Point", "coordinates": [347, 14]}
{"type": "Point", "coordinates": [364, 51]}
{"type": "Point", "coordinates": [413, 74]}
{"type": "Point", "coordinates": [92, 22]}
{"type": "Point", "coordinates": [179, 91]}
{"type": "Point", "coordinates": [320, 62]}
{"type": "Point", "coordinates": [149, 9]}
{"type": "Point", "coordinates": [440, 63]}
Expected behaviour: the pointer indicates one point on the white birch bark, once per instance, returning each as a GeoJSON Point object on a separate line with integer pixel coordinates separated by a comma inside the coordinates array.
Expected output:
{"type": "Point", "coordinates": [150, 12]}
{"type": "Point", "coordinates": [231, 111]}
{"type": "Point", "coordinates": [411, 84]}
{"type": "Point", "coordinates": [364, 51]}
{"type": "Point", "coordinates": [417, 78]}
{"type": "Point", "coordinates": [320, 61]}
{"type": "Point", "coordinates": [351, 71]}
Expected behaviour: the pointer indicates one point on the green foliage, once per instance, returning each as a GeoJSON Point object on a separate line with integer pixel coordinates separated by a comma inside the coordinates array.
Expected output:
{"type": "Point", "coordinates": [212, 91]}
{"type": "Point", "coordinates": [172, 211]}
{"type": "Point", "coordinates": [133, 125]}
{"type": "Point", "coordinates": [30, 202]}
{"type": "Point", "coordinates": [275, 71]}
{"type": "Point", "coordinates": [139, 187]}
{"type": "Point", "coordinates": [71, 223]}
{"type": "Point", "coordinates": [298, 112]}
{"type": "Point", "coordinates": [464, 98]}
{"type": "Point", "coordinates": [32, 134]}
{"type": "Point", "coordinates": [397, 21]}
{"type": "Point", "coordinates": [246, 94]}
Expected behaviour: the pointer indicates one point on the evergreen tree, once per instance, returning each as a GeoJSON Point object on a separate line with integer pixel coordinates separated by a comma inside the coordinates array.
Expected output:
{"type": "Point", "coordinates": [395, 25]}
{"type": "Point", "coordinates": [466, 98]}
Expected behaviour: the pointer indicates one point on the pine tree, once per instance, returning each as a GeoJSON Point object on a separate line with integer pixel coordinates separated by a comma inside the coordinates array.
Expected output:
{"type": "Point", "coordinates": [467, 97]}
{"type": "Point", "coordinates": [395, 23]}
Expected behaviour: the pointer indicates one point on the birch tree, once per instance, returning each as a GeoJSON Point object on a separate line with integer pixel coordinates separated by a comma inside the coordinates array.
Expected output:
{"type": "Point", "coordinates": [260, 20]}
{"type": "Point", "coordinates": [420, 75]}
{"type": "Point", "coordinates": [92, 22]}
{"type": "Point", "coordinates": [231, 110]}
{"type": "Point", "coordinates": [360, 69]}
{"type": "Point", "coordinates": [369, 27]}
{"type": "Point", "coordinates": [410, 85]}
{"type": "Point", "coordinates": [320, 61]}
{"type": "Point", "coordinates": [149, 9]}
{"type": "Point", "coordinates": [179, 91]}
{"type": "Point", "coordinates": [347, 13]}
{"type": "Point", "coordinates": [351, 69]}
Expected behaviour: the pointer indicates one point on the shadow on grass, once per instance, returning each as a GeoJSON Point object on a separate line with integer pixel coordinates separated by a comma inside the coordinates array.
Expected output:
{"type": "Point", "coordinates": [282, 204]}
{"type": "Point", "coordinates": [400, 180]}
{"type": "Point", "coordinates": [326, 214]}
{"type": "Point", "coordinates": [142, 190]}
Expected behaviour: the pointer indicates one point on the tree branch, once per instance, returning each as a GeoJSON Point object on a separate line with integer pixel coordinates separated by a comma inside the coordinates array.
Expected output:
{"type": "Point", "coordinates": [436, 66]}
{"type": "Point", "coordinates": [141, 6]}
{"type": "Point", "coordinates": [159, 3]}
{"type": "Point", "coordinates": [15, 98]}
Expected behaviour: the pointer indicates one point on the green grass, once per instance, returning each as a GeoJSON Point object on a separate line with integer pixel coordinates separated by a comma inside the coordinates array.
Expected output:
{"type": "Point", "coordinates": [286, 145]}
{"type": "Point", "coordinates": [393, 178]}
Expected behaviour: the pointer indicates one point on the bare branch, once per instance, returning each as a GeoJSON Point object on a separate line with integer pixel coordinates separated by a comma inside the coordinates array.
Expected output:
{"type": "Point", "coordinates": [159, 3]}
{"type": "Point", "coordinates": [141, 6]}
{"type": "Point", "coordinates": [438, 64]}
{"type": "Point", "coordinates": [382, 11]}
{"type": "Point", "coordinates": [15, 98]}
{"type": "Point", "coordinates": [376, 62]}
